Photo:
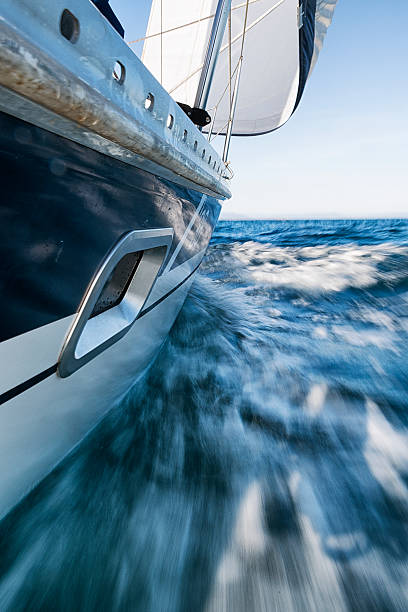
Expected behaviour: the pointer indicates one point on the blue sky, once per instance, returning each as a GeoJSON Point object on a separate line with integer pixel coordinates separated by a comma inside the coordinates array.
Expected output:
{"type": "Point", "coordinates": [344, 152]}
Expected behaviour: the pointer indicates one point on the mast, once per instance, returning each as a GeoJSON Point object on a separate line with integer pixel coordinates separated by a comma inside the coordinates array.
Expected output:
{"type": "Point", "coordinates": [211, 56]}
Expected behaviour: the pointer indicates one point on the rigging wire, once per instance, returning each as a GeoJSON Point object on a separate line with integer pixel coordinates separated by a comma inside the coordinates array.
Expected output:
{"type": "Point", "coordinates": [161, 42]}
{"type": "Point", "coordinates": [185, 25]}
{"type": "Point", "coordinates": [231, 73]}
{"type": "Point", "coordinates": [229, 60]}
{"type": "Point", "coordinates": [234, 40]}
{"type": "Point", "coordinates": [215, 107]}
{"type": "Point", "coordinates": [235, 94]}
{"type": "Point", "coordinates": [228, 124]}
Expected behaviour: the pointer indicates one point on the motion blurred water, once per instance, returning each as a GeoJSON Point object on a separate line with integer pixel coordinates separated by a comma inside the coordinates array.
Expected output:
{"type": "Point", "coordinates": [261, 463]}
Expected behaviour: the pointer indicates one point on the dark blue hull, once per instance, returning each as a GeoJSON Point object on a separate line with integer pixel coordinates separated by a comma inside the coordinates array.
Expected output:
{"type": "Point", "coordinates": [63, 207]}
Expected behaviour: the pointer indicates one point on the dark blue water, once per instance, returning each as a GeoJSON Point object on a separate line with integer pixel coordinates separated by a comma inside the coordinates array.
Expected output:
{"type": "Point", "coordinates": [262, 462]}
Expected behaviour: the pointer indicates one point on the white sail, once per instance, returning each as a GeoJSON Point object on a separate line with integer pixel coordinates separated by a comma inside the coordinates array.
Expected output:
{"type": "Point", "coordinates": [176, 57]}
{"type": "Point", "coordinates": [271, 77]}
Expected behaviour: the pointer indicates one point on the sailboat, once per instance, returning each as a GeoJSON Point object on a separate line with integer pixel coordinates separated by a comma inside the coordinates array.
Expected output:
{"type": "Point", "coordinates": [111, 188]}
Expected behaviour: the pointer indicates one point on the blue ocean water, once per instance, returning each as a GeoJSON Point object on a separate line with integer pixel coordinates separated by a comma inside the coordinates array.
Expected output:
{"type": "Point", "coordinates": [262, 462]}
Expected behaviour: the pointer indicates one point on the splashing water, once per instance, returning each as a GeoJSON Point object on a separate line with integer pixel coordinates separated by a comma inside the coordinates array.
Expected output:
{"type": "Point", "coordinates": [261, 463]}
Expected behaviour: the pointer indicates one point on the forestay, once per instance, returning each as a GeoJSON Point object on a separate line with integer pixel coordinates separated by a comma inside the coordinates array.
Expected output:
{"type": "Point", "coordinates": [281, 44]}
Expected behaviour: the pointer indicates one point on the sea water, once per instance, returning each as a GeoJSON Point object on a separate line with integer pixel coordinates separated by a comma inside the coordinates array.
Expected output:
{"type": "Point", "coordinates": [262, 462]}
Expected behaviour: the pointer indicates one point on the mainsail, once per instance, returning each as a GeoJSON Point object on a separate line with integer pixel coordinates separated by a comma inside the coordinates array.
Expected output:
{"type": "Point", "coordinates": [281, 43]}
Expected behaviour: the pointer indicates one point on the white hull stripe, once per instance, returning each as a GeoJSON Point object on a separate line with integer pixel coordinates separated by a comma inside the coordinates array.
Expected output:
{"type": "Point", "coordinates": [31, 382]}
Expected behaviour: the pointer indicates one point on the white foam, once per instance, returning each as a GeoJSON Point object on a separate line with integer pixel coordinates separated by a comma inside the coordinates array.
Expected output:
{"type": "Point", "coordinates": [386, 452]}
{"type": "Point", "coordinates": [364, 337]}
{"type": "Point", "coordinates": [323, 268]}
{"type": "Point", "coordinates": [315, 399]}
